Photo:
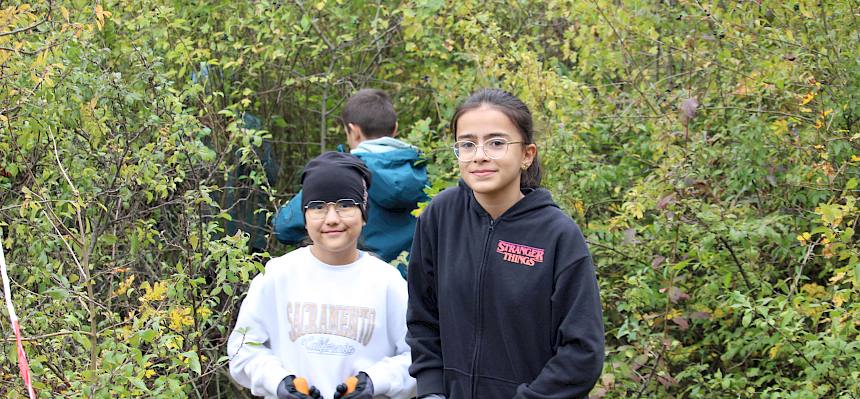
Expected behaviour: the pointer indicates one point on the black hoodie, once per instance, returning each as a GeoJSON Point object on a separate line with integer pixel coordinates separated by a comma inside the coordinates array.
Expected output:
{"type": "Point", "coordinates": [505, 308]}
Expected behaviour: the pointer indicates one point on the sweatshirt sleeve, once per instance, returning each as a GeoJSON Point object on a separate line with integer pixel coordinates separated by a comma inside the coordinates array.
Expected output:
{"type": "Point", "coordinates": [578, 361]}
{"type": "Point", "coordinates": [422, 317]}
{"type": "Point", "coordinates": [252, 363]}
{"type": "Point", "coordinates": [289, 223]}
{"type": "Point", "coordinates": [390, 375]}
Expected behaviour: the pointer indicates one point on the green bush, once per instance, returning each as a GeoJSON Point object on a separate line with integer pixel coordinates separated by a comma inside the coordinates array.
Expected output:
{"type": "Point", "coordinates": [709, 150]}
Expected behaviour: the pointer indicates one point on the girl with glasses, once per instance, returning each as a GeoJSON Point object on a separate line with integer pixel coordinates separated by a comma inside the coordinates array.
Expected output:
{"type": "Point", "coordinates": [503, 297]}
{"type": "Point", "coordinates": [326, 320]}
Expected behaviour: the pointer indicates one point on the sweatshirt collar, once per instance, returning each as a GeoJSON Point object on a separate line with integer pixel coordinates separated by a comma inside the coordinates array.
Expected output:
{"type": "Point", "coordinates": [534, 198]}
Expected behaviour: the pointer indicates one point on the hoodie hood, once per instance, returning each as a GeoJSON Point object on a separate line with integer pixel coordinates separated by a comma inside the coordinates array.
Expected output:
{"type": "Point", "coordinates": [382, 144]}
{"type": "Point", "coordinates": [399, 178]}
{"type": "Point", "coordinates": [535, 198]}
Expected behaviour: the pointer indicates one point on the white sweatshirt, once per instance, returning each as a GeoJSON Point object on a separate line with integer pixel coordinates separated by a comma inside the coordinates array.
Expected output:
{"type": "Point", "coordinates": [325, 323]}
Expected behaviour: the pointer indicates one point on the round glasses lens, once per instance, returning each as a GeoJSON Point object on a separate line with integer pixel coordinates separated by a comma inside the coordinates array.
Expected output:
{"type": "Point", "coordinates": [319, 209]}
{"type": "Point", "coordinates": [495, 148]}
{"type": "Point", "coordinates": [346, 207]}
{"type": "Point", "coordinates": [465, 150]}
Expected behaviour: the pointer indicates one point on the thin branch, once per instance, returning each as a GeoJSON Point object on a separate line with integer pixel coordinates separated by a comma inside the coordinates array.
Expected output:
{"type": "Point", "coordinates": [24, 29]}
{"type": "Point", "coordinates": [737, 262]}
{"type": "Point", "coordinates": [45, 336]}
{"type": "Point", "coordinates": [647, 381]}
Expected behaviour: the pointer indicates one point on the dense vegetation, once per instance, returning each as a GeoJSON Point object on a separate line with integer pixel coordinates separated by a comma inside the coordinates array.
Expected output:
{"type": "Point", "coordinates": [709, 149]}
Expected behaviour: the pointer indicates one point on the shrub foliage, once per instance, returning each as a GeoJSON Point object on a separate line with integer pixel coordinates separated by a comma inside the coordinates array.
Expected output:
{"type": "Point", "coordinates": [709, 150]}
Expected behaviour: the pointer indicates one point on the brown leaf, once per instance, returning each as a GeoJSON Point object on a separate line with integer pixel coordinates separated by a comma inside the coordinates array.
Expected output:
{"type": "Point", "coordinates": [665, 201]}
{"type": "Point", "coordinates": [688, 109]}
{"type": "Point", "coordinates": [676, 295]}
{"type": "Point", "coordinates": [700, 315]}
{"type": "Point", "coordinates": [630, 237]}
{"type": "Point", "coordinates": [657, 261]}
{"type": "Point", "coordinates": [681, 322]}
{"type": "Point", "coordinates": [667, 380]}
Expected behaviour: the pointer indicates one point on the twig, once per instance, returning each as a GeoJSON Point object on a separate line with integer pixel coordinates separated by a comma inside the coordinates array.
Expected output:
{"type": "Point", "coordinates": [51, 335]}
{"type": "Point", "coordinates": [24, 29]}
{"type": "Point", "coordinates": [604, 246]}
{"type": "Point", "coordinates": [737, 262]}
{"type": "Point", "coordinates": [650, 375]}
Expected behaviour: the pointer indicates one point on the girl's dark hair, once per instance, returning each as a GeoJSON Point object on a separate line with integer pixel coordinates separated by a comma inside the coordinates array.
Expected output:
{"type": "Point", "coordinates": [520, 116]}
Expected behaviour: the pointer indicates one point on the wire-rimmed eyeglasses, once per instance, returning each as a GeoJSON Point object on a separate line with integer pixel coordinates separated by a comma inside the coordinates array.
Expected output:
{"type": "Point", "coordinates": [345, 207]}
{"type": "Point", "coordinates": [494, 148]}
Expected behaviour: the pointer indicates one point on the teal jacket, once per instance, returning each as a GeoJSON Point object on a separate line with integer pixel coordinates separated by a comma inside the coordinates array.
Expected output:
{"type": "Point", "coordinates": [397, 186]}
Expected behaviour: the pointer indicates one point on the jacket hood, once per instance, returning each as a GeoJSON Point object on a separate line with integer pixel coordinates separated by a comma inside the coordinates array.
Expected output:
{"type": "Point", "coordinates": [535, 198]}
{"type": "Point", "coordinates": [382, 144]}
{"type": "Point", "coordinates": [399, 177]}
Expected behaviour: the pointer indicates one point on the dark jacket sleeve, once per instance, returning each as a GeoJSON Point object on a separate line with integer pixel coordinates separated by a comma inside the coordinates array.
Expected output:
{"type": "Point", "coordinates": [578, 361]}
{"type": "Point", "coordinates": [422, 316]}
{"type": "Point", "coordinates": [289, 223]}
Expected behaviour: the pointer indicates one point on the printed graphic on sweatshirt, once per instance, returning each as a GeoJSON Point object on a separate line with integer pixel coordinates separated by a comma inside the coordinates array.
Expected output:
{"type": "Point", "coordinates": [325, 345]}
{"type": "Point", "coordinates": [353, 322]}
{"type": "Point", "coordinates": [518, 253]}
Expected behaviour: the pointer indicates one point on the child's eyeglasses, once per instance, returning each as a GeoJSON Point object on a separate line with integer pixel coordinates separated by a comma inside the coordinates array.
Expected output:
{"type": "Point", "coordinates": [466, 150]}
{"type": "Point", "coordinates": [344, 207]}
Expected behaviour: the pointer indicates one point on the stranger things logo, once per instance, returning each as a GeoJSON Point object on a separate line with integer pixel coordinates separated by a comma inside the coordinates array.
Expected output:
{"type": "Point", "coordinates": [521, 254]}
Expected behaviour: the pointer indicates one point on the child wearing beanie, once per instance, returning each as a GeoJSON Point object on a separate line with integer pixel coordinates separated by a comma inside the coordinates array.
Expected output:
{"type": "Point", "coordinates": [326, 320]}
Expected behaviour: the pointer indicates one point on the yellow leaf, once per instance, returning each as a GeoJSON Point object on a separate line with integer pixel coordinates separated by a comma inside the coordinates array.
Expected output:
{"type": "Point", "coordinates": [838, 300]}
{"type": "Point", "coordinates": [855, 158]}
{"type": "Point", "coordinates": [774, 351]}
{"type": "Point", "coordinates": [673, 314]}
{"type": "Point", "coordinates": [807, 99]}
{"type": "Point", "coordinates": [813, 290]}
{"type": "Point", "coordinates": [780, 126]}
{"type": "Point", "coordinates": [804, 109]}
{"type": "Point", "coordinates": [65, 12]}
{"type": "Point", "coordinates": [156, 292]}
{"type": "Point", "coordinates": [839, 276]}
{"type": "Point", "coordinates": [579, 208]}
{"type": "Point", "coordinates": [100, 16]}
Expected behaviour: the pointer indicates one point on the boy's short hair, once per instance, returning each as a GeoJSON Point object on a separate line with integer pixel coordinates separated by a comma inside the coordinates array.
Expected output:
{"type": "Point", "coordinates": [372, 111]}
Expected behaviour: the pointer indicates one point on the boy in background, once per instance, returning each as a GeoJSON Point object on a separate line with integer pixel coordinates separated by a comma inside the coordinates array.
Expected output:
{"type": "Point", "coordinates": [398, 172]}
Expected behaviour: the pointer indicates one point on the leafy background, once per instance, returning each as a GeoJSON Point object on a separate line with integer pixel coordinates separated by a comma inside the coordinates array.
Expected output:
{"type": "Point", "coordinates": [709, 150]}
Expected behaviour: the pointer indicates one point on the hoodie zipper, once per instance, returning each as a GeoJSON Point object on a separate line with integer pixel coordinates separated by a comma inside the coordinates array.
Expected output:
{"type": "Point", "coordinates": [479, 319]}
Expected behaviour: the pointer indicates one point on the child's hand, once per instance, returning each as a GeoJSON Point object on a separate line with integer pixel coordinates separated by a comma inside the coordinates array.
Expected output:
{"type": "Point", "coordinates": [358, 387]}
{"type": "Point", "coordinates": [292, 387]}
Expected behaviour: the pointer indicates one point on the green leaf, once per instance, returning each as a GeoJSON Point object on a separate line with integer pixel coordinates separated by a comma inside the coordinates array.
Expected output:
{"type": "Point", "coordinates": [857, 273]}
{"type": "Point", "coordinates": [193, 361]}
{"type": "Point", "coordinates": [747, 319]}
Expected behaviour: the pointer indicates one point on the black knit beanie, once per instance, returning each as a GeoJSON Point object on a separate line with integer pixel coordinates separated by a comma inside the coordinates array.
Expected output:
{"type": "Point", "coordinates": [333, 176]}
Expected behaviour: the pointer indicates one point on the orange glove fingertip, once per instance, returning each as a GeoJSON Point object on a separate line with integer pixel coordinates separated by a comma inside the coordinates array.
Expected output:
{"type": "Point", "coordinates": [301, 385]}
{"type": "Point", "coordinates": [351, 382]}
